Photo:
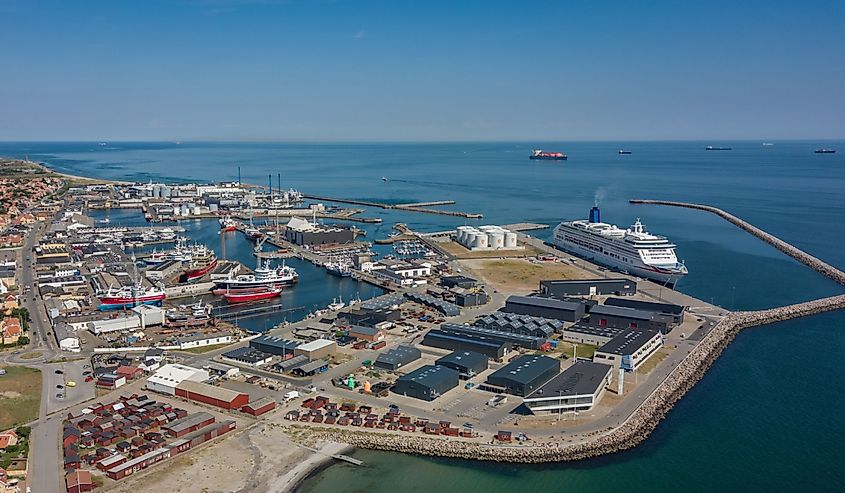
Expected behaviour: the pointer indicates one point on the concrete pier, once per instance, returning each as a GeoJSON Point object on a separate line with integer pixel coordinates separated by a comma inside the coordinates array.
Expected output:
{"type": "Point", "coordinates": [416, 207]}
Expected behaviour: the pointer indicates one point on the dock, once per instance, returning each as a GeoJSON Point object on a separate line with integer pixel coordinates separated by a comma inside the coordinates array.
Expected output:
{"type": "Point", "coordinates": [346, 458]}
{"type": "Point", "coordinates": [421, 207]}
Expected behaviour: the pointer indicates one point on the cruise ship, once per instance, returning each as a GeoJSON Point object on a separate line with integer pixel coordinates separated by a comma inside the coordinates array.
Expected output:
{"type": "Point", "coordinates": [633, 250]}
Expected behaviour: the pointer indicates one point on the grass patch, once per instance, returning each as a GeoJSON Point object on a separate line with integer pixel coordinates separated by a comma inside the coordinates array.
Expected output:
{"type": "Point", "coordinates": [20, 396]}
{"type": "Point", "coordinates": [521, 274]}
{"type": "Point", "coordinates": [204, 349]}
{"type": "Point", "coordinates": [32, 355]}
{"type": "Point", "coordinates": [568, 349]}
{"type": "Point", "coordinates": [652, 362]}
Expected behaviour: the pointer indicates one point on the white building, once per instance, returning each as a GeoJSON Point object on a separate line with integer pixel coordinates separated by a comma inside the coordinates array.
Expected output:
{"type": "Point", "coordinates": [130, 322]}
{"type": "Point", "coordinates": [66, 337]}
{"type": "Point", "coordinates": [166, 378]}
{"type": "Point", "coordinates": [199, 340]}
{"type": "Point", "coordinates": [149, 315]}
{"type": "Point", "coordinates": [630, 349]}
{"type": "Point", "coordinates": [578, 388]}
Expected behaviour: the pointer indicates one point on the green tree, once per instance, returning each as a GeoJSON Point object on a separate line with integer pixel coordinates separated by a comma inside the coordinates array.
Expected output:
{"type": "Point", "coordinates": [23, 431]}
{"type": "Point", "coordinates": [23, 340]}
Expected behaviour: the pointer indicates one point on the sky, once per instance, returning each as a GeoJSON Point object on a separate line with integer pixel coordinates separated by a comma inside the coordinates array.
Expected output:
{"type": "Point", "coordinates": [360, 70]}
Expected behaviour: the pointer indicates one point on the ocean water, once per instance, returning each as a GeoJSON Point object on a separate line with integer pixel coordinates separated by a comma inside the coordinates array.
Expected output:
{"type": "Point", "coordinates": [766, 416]}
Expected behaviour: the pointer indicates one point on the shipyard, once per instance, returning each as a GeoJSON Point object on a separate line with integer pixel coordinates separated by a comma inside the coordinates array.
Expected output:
{"type": "Point", "coordinates": [480, 342]}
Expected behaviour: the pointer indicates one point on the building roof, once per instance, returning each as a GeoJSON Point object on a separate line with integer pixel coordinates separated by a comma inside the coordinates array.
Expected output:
{"type": "Point", "coordinates": [587, 281]}
{"type": "Point", "coordinates": [477, 339]}
{"type": "Point", "coordinates": [247, 354]}
{"type": "Point", "coordinates": [521, 339]}
{"type": "Point", "coordinates": [582, 378]}
{"type": "Point", "coordinates": [316, 344]}
{"type": "Point", "coordinates": [275, 342]}
{"type": "Point", "coordinates": [173, 374]}
{"type": "Point", "coordinates": [629, 341]}
{"type": "Point", "coordinates": [609, 332]}
{"type": "Point", "coordinates": [201, 337]}
{"type": "Point", "coordinates": [77, 478]}
{"type": "Point", "coordinates": [211, 391]}
{"type": "Point", "coordinates": [291, 363]}
{"type": "Point", "coordinates": [312, 366]}
{"type": "Point", "coordinates": [261, 402]}
{"type": "Point", "coordinates": [618, 311]}
{"type": "Point", "coordinates": [138, 460]}
{"type": "Point", "coordinates": [398, 356]}
{"type": "Point", "coordinates": [467, 359]}
{"type": "Point", "coordinates": [648, 306]}
{"type": "Point", "coordinates": [525, 369]}
{"type": "Point", "coordinates": [360, 329]}
{"type": "Point", "coordinates": [544, 302]}
{"type": "Point", "coordinates": [430, 376]}
{"type": "Point", "coordinates": [189, 421]}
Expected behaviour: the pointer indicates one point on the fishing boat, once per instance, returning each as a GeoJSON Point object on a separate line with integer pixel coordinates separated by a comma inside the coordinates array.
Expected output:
{"type": "Point", "coordinates": [227, 224]}
{"type": "Point", "coordinates": [203, 260]}
{"type": "Point", "coordinates": [336, 304]}
{"type": "Point", "coordinates": [263, 294]}
{"type": "Point", "coordinates": [130, 296]}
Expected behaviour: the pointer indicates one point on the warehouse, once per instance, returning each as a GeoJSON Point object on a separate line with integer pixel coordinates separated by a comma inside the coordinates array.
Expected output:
{"type": "Point", "coordinates": [427, 383]}
{"type": "Point", "coordinates": [149, 315]}
{"type": "Point", "coordinates": [273, 345]}
{"type": "Point", "coordinates": [544, 307]}
{"type": "Point", "coordinates": [370, 318]}
{"type": "Point", "coordinates": [316, 349]}
{"type": "Point", "coordinates": [166, 378]}
{"type": "Point", "coordinates": [455, 341]}
{"type": "Point", "coordinates": [475, 297]}
{"type": "Point", "coordinates": [311, 368]}
{"type": "Point", "coordinates": [248, 356]}
{"type": "Point", "coordinates": [259, 406]}
{"type": "Point", "coordinates": [466, 363]}
{"type": "Point", "coordinates": [667, 309]}
{"type": "Point", "coordinates": [208, 394]}
{"type": "Point", "coordinates": [302, 232]}
{"type": "Point", "coordinates": [588, 334]}
{"type": "Point", "coordinates": [366, 333]}
{"type": "Point", "coordinates": [164, 270]}
{"type": "Point", "coordinates": [397, 357]}
{"type": "Point", "coordinates": [99, 327]}
{"type": "Point", "coordinates": [520, 324]}
{"type": "Point", "coordinates": [524, 374]}
{"type": "Point", "coordinates": [520, 340]}
{"type": "Point", "coordinates": [290, 364]}
{"type": "Point", "coordinates": [628, 318]}
{"type": "Point", "coordinates": [588, 287]}
{"type": "Point", "coordinates": [458, 282]}
{"type": "Point", "coordinates": [630, 349]}
{"type": "Point", "coordinates": [578, 388]}
{"type": "Point", "coordinates": [446, 308]}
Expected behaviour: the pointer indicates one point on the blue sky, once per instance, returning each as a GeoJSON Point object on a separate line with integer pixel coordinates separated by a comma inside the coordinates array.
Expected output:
{"type": "Point", "coordinates": [422, 70]}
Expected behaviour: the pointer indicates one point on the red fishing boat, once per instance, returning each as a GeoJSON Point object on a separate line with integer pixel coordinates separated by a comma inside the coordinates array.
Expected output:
{"type": "Point", "coordinates": [263, 294]}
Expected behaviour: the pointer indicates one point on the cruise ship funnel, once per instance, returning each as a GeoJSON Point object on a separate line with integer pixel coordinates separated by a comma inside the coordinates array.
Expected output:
{"type": "Point", "coordinates": [595, 215]}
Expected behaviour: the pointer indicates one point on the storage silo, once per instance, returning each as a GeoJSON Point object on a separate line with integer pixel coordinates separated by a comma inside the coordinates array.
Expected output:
{"type": "Point", "coordinates": [510, 239]}
{"type": "Point", "coordinates": [481, 240]}
{"type": "Point", "coordinates": [496, 239]}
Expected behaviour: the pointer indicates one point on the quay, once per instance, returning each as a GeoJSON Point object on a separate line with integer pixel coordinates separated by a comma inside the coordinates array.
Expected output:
{"type": "Point", "coordinates": [413, 207]}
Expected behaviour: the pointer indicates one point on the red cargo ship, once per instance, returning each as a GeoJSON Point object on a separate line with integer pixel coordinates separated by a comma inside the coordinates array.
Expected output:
{"type": "Point", "coordinates": [258, 295]}
{"type": "Point", "coordinates": [554, 156]}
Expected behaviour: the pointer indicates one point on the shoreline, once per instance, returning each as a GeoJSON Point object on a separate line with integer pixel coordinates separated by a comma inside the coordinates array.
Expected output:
{"type": "Point", "coordinates": [319, 460]}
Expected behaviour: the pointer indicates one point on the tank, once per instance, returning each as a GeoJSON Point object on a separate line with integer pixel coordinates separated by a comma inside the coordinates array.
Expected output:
{"type": "Point", "coordinates": [481, 240]}
{"type": "Point", "coordinates": [495, 239]}
{"type": "Point", "coordinates": [510, 239]}
{"type": "Point", "coordinates": [595, 215]}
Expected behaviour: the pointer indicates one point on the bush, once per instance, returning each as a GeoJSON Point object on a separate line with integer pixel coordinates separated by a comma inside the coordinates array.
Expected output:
{"type": "Point", "coordinates": [23, 341]}
{"type": "Point", "coordinates": [23, 431]}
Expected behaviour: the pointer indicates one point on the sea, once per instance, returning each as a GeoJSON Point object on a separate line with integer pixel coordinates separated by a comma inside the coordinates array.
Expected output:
{"type": "Point", "coordinates": [766, 416]}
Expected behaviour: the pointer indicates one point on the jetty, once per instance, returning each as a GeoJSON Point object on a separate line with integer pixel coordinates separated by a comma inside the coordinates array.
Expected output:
{"type": "Point", "coordinates": [645, 417]}
{"type": "Point", "coordinates": [422, 207]}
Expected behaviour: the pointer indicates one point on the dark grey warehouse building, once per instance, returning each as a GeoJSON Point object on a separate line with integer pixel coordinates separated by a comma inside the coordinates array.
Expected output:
{"type": "Point", "coordinates": [427, 383]}
{"type": "Point", "coordinates": [523, 375]}
{"type": "Point", "coordinates": [457, 341]}
{"type": "Point", "coordinates": [676, 312]}
{"type": "Point", "coordinates": [628, 318]}
{"type": "Point", "coordinates": [520, 340]}
{"type": "Point", "coordinates": [301, 232]}
{"type": "Point", "coordinates": [588, 287]}
{"type": "Point", "coordinates": [273, 345]}
{"type": "Point", "coordinates": [397, 358]}
{"type": "Point", "coordinates": [466, 363]}
{"type": "Point", "coordinates": [536, 306]}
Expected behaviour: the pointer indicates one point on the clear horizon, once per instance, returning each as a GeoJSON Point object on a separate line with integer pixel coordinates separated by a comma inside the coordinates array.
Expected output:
{"type": "Point", "coordinates": [378, 71]}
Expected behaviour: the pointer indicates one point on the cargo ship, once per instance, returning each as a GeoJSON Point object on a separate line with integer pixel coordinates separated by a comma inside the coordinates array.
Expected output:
{"type": "Point", "coordinates": [633, 250]}
{"type": "Point", "coordinates": [623, 151]}
{"type": "Point", "coordinates": [552, 156]}
{"type": "Point", "coordinates": [825, 150]}
{"type": "Point", "coordinates": [262, 294]}
{"type": "Point", "coordinates": [130, 296]}
{"type": "Point", "coordinates": [716, 148]}
{"type": "Point", "coordinates": [203, 260]}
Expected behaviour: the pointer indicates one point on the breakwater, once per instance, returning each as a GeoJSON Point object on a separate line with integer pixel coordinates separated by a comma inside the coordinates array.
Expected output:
{"type": "Point", "coordinates": [810, 261]}
{"type": "Point", "coordinates": [645, 417]}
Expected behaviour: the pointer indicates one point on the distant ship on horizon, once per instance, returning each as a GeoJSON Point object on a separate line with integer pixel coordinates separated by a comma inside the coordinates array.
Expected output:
{"type": "Point", "coordinates": [717, 148]}
{"type": "Point", "coordinates": [825, 150]}
{"type": "Point", "coordinates": [623, 151]}
{"type": "Point", "coordinates": [552, 156]}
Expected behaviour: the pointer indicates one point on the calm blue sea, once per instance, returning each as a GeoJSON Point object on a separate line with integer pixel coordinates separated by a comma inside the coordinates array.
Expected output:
{"type": "Point", "coordinates": [768, 414]}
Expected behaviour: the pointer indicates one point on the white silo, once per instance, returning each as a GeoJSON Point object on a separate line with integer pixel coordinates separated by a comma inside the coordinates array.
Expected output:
{"type": "Point", "coordinates": [481, 240]}
{"type": "Point", "coordinates": [496, 239]}
{"type": "Point", "coordinates": [510, 239]}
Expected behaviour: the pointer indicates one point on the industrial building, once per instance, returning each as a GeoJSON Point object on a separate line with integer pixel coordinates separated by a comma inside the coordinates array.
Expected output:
{"type": "Point", "coordinates": [273, 345]}
{"type": "Point", "coordinates": [316, 349]}
{"type": "Point", "coordinates": [129, 322]}
{"type": "Point", "coordinates": [427, 383]}
{"type": "Point", "coordinates": [199, 340]}
{"type": "Point", "coordinates": [166, 378]}
{"type": "Point", "coordinates": [523, 375]}
{"type": "Point", "coordinates": [667, 309]}
{"type": "Point", "coordinates": [455, 341]}
{"type": "Point", "coordinates": [366, 333]}
{"type": "Point", "coordinates": [302, 232]}
{"type": "Point", "coordinates": [150, 315]}
{"type": "Point", "coordinates": [485, 237]}
{"type": "Point", "coordinates": [588, 287]}
{"type": "Point", "coordinates": [520, 340]}
{"type": "Point", "coordinates": [475, 297]}
{"type": "Point", "coordinates": [458, 282]}
{"type": "Point", "coordinates": [248, 356]}
{"type": "Point", "coordinates": [466, 363]}
{"type": "Point", "coordinates": [536, 306]}
{"type": "Point", "coordinates": [628, 318]}
{"type": "Point", "coordinates": [520, 324]}
{"type": "Point", "coordinates": [370, 318]}
{"type": "Point", "coordinates": [209, 394]}
{"type": "Point", "coordinates": [259, 406]}
{"type": "Point", "coordinates": [164, 270]}
{"type": "Point", "coordinates": [582, 333]}
{"type": "Point", "coordinates": [397, 357]}
{"type": "Point", "coordinates": [630, 349]}
{"type": "Point", "coordinates": [444, 307]}
{"type": "Point", "coordinates": [311, 368]}
{"type": "Point", "coordinates": [578, 388]}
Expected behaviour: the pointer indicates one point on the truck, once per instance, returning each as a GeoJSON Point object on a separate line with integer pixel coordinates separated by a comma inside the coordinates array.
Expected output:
{"type": "Point", "coordinates": [289, 396]}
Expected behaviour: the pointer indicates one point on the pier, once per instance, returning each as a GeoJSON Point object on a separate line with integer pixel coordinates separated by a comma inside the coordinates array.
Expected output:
{"type": "Point", "coordinates": [412, 207]}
